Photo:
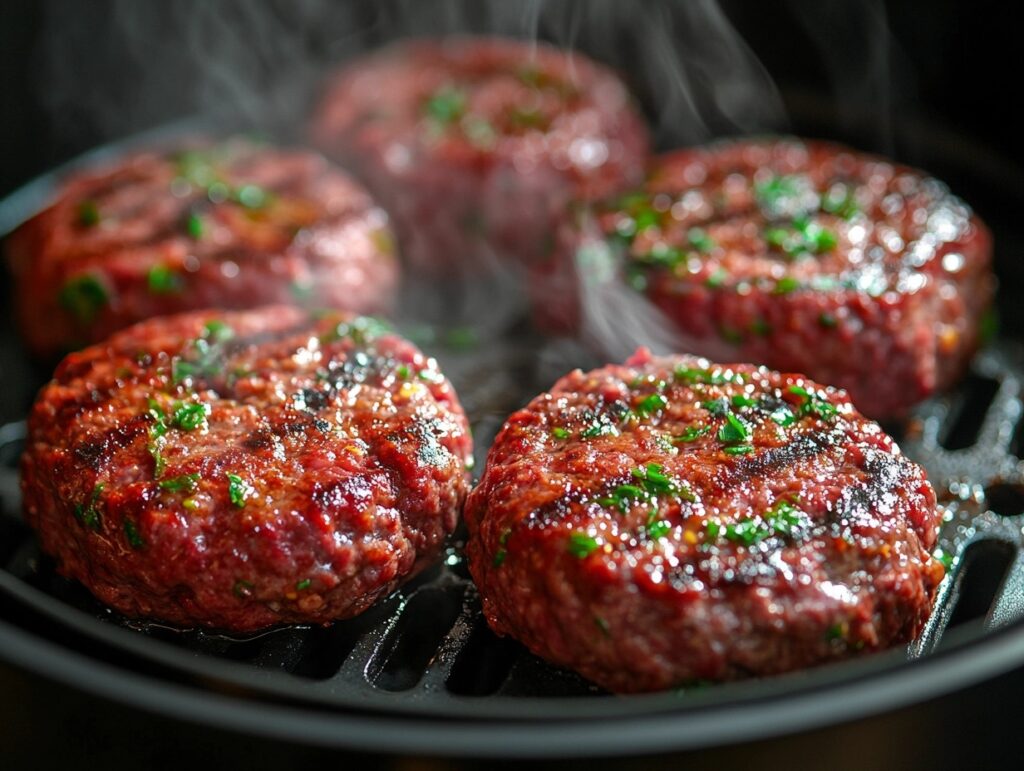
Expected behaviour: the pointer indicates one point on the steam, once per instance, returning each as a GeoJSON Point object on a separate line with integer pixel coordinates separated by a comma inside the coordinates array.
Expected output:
{"type": "Point", "coordinates": [119, 66]}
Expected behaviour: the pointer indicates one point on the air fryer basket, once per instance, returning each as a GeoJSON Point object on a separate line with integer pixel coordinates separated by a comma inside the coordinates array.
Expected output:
{"type": "Point", "coordinates": [421, 672]}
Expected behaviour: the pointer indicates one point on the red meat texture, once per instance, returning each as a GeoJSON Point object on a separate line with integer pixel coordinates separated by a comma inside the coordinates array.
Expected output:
{"type": "Point", "coordinates": [804, 256]}
{"type": "Point", "coordinates": [238, 470]}
{"type": "Point", "coordinates": [672, 521]}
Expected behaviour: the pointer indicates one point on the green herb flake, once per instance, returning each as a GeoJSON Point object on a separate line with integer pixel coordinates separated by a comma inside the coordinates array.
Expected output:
{"type": "Point", "coordinates": [190, 503]}
{"type": "Point", "coordinates": [446, 105]}
{"type": "Point", "coordinates": [814, 404]}
{"type": "Point", "coordinates": [131, 534]}
{"type": "Point", "coordinates": [560, 433]}
{"type": "Point", "coordinates": [785, 285]}
{"type": "Point", "coordinates": [251, 197]}
{"type": "Point", "coordinates": [304, 584]}
{"type": "Point", "coordinates": [649, 405]}
{"type": "Point", "coordinates": [194, 226]}
{"type": "Point", "coordinates": [717, 407]}
{"type": "Point", "coordinates": [402, 372]}
{"type": "Point", "coordinates": [162, 279]}
{"type": "Point", "coordinates": [738, 449]}
{"type": "Point", "coordinates": [835, 632]}
{"type": "Point", "coordinates": [742, 400]}
{"type": "Point", "coordinates": [700, 240]}
{"type": "Point", "coordinates": [602, 625]}
{"type": "Point", "coordinates": [945, 557]}
{"type": "Point", "coordinates": [217, 330]}
{"type": "Point", "coordinates": [185, 483]}
{"type": "Point", "coordinates": [189, 417]}
{"type": "Point", "coordinates": [658, 530]}
{"type": "Point", "coordinates": [88, 213]}
{"type": "Point", "coordinates": [734, 430]}
{"type": "Point", "coordinates": [717, 279]}
{"type": "Point", "coordinates": [499, 557]}
{"type": "Point", "coordinates": [782, 416]}
{"type": "Point", "coordinates": [582, 545]}
{"type": "Point", "coordinates": [238, 489]}
{"type": "Point", "coordinates": [692, 433]}
{"type": "Point", "coordinates": [827, 320]}
{"type": "Point", "coordinates": [242, 589]}
{"type": "Point", "coordinates": [89, 513]}
{"type": "Point", "coordinates": [841, 201]}
{"type": "Point", "coordinates": [83, 297]}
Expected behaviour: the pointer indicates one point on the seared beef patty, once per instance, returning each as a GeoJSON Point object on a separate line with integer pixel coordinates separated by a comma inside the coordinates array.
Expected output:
{"type": "Point", "coordinates": [673, 520]}
{"type": "Point", "coordinates": [804, 256]}
{"type": "Point", "coordinates": [231, 225]}
{"type": "Point", "coordinates": [476, 145]}
{"type": "Point", "coordinates": [242, 469]}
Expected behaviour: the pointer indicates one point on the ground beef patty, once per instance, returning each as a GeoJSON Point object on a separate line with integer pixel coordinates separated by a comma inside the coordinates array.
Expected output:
{"type": "Point", "coordinates": [231, 225]}
{"type": "Point", "coordinates": [804, 256]}
{"type": "Point", "coordinates": [674, 520]}
{"type": "Point", "coordinates": [476, 145]}
{"type": "Point", "coordinates": [238, 470]}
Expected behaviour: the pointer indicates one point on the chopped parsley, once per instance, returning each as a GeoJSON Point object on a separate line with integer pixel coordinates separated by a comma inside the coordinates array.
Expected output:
{"type": "Point", "coordinates": [700, 240]}
{"type": "Point", "coordinates": [650, 405]}
{"type": "Point", "coordinates": [944, 557]}
{"type": "Point", "coordinates": [783, 416]}
{"type": "Point", "coordinates": [446, 105]}
{"type": "Point", "coordinates": [156, 437]}
{"type": "Point", "coordinates": [785, 285]}
{"type": "Point", "coordinates": [738, 449]}
{"type": "Point", "coordinates": [782, 520]}
{"type": "Point", "coordinates": [742, 400]}
{"type": "Point", "coordinates": [734, 430]}
{"type": "Point", "coordinates": [361, 330]}
{"type": "Point", "coordinates": [692, 433]}
{"type": "Point", "coordinates": [707, 376]}
{"type": "Point", "coordinates": [162, 279]}
{"type": "Point", "coordinates": [716, 279]}
{"type": "Point", "coordinates": [402, 372]}
{"type": "Point", "coordinates": [800, 239]}
{"type": "Point", "coordinates": [582, 545]}
{"type": "Point", "coordinates": [560, 433]}
{"type": "Point", "coordinates": [185, 483]}
{"type": "Point", "coordinates": [188, 417]}
{"type": "Point", "coordinates": [304, 584]}
{"type": "Point", "coordinates": [651, 482]}
{"type": "Point", "coordinates": [502, 553]}
{"type": "Point", "coordinates": [814, 404]}
{"type": "Point", "coordinates": [841, 201]}
{"type": "Point", "coordinates": [194, 226]}
{"type": "Point", "coordinates": [206, 356]}
{"type": "Point", "coordinates": [132, 535]}
{"type": "Point", "coordinates": [658, 530]}
{"type": "Point", "coordinates": [250, 196]}
{"type": "Point", "coordinates": [238, 489]}
{"type": "Point", "coordinates": [89, 513]}
{"type": "Point", "coordinates": [827, 320]}
{"type": "Point", "coordinates": [84, 297]}
{"type": "Point", "coordinates": [88, 213]}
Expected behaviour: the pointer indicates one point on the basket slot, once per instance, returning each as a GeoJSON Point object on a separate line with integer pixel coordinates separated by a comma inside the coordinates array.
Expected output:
{"type": "Point", "coordinates": [414, 640]}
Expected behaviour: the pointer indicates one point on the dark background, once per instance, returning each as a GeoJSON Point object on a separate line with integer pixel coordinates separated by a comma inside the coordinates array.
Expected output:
{"type": "Point", "coordinates": [950, 63]}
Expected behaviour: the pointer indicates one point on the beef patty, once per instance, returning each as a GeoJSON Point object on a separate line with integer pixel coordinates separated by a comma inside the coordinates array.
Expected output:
{"type": "Point", "coordinates": [238, 470]}
{"type": "Point", "coordinates": [232, 224]}
{"type": "Point", "coordinates": [476, 145]}
{"type": "Point", "coordinates": [804, 256]}
{"type": "Point", "coordinates": [673, 520]}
